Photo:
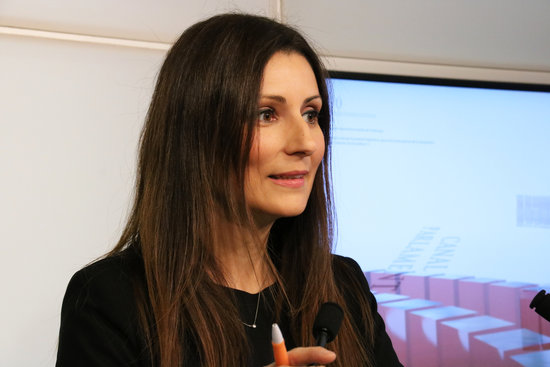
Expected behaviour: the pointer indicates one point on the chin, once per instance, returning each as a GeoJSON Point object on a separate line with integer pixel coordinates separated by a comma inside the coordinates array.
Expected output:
{"type": "Point", "coordinates": [292, 211]}
{"type": "Point", "coordinates": [272, 215]}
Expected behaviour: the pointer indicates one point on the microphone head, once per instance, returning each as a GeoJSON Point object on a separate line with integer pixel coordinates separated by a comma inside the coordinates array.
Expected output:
{"type": "Point", "coordinates": [541, 304]}
{"type": "Point", "coordinates": [328, 319]}
{"type": "Point", "coordinates": [537, 301]}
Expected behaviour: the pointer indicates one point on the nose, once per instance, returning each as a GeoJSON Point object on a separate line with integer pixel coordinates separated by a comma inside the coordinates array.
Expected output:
{"type": "Point", "coordinates": [301, 137]}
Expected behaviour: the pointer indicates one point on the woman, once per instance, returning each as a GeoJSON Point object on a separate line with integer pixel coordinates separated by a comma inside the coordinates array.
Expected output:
{"type": "Point", "coordinates": [231, 226]}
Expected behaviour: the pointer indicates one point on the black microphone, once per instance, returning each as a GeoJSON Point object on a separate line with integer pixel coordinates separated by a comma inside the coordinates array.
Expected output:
{"type": "Point", "coordinates": [327, 323]}
{"type": "Point", "coordinates": [541, 304]}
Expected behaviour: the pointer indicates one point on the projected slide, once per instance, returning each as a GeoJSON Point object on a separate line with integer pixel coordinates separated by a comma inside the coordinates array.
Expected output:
{"type": "Point", "coordinates": [443, 197]}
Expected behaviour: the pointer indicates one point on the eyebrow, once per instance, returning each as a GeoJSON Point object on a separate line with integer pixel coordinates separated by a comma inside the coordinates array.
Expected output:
{"type": "Point", "coordinates": [282, 99]}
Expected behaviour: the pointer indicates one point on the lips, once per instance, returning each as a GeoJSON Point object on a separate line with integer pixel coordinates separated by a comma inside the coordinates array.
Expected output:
{"type": "Point", "coordinates": [294, 179]}
{"type": "Point", "coordinates": [286, 177]}
{"type": "Point", "coordinates": [289, 175]}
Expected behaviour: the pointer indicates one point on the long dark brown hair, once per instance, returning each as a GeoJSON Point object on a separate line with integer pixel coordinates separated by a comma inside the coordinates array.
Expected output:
{"type": "Point", "coordinates": [193, 153]}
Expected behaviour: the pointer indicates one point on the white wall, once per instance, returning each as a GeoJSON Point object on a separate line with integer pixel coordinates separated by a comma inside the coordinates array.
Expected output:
{"type": "Point", "coordinates": [70, 119]}
{"type": "Point", "coordinates": [74, 89]}
{"type": "Point", "coordinates": [491, 33]}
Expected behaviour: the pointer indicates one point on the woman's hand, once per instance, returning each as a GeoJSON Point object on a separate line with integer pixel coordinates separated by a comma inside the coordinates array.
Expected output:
{"type": "Point", "coordinates": [305, 356]}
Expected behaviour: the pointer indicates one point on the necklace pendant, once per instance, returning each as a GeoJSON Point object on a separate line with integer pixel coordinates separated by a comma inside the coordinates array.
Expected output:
{"type": "Point", "coordinates": [253, 325]}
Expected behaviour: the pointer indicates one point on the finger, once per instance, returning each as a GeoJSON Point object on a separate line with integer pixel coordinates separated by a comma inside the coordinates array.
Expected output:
{"type": "Point", "coordinates": [305, 356]}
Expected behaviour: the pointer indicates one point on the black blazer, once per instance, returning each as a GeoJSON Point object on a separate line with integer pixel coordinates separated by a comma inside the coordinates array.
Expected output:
{"type": "Point", "coordinates": [100, 325]}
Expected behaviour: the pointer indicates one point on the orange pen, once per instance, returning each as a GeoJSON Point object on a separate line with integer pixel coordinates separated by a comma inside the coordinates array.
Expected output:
{"type": "Point", "coordinates": [279, 349]}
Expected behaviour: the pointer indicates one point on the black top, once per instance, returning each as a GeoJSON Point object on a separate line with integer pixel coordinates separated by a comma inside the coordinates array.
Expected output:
{"type": "Point", "coordinates": [100, 326]}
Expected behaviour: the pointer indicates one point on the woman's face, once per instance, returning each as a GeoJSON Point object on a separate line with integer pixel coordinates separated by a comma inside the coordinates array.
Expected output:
{"type": "Point", "coordinates": [288, 144]}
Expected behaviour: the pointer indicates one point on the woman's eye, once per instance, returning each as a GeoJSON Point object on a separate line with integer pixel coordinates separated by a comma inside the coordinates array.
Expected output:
{"type": "Point", "coordinates": [266, 115]}
{"type": "Point", "coordinates": [311, 116]}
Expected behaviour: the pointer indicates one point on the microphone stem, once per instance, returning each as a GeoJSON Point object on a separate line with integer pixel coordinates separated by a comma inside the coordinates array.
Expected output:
{"type": "Point", "coordinates": [322, 339]}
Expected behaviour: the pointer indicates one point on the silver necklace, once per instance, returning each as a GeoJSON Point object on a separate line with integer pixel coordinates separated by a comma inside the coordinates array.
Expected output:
{"type": "Point", "coordinates": [253, 325]}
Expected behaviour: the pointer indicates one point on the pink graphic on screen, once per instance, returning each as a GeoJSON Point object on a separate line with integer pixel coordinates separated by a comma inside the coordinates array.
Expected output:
{"type": "Point", "coordinates": [451, 325]}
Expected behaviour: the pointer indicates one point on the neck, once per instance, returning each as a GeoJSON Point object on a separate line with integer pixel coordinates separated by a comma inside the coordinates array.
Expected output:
{"type": "Point", "coordinates": [242, 257]}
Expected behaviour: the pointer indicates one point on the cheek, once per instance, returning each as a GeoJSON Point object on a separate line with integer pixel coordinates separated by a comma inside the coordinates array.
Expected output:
{"type": "Point", "coordinates": [254, 158]}
{"type": "Point", "coordinates": [263, 152]}
{"type": "Point", "coordinates": [257, 162]}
